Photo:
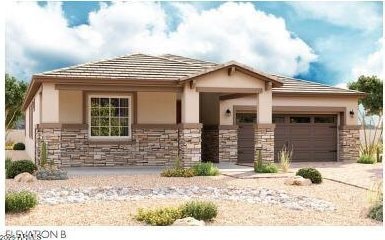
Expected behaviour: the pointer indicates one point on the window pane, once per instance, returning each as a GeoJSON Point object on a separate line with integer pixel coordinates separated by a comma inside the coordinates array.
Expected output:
{"type": "Point", "coordinates": [278, 119]}
{"type": "Point", "coordinates": [104, 112]}
{"type": "Point", "coordinates": [124, 131]}
{"type": "Point", "coordinates": [124, 122]}
{"type": "Point", "coordinates": [95, 101]}
{"type": "Point", "coordinates": [123, 102]}
{"type": "Point", "coordinates": [115, 112]}
{"type": "Point", "coordinates": [114, 131]}
{"type": "Point", "coordinates": [105, 122]}
{"type": "Point", "coordinates": [94, 111]}
{"type": "Point", "coordinates": [104, 131]}
{"type": "Point", "coordinates": [123, 112]}
{"type": "Point", "coordinates": [324, 119]}
{"type": "Point", "coordinates": [95, 121]}
{"type": "Point", "coordinates": [115, 102]}
{"type": "Point", "coordinates": [114, 121]}
{"type": "Point", "coordinates": [95, 131]}
{"type": "Point", "coordinates": [104, 102]}
{"type": "Point", "coordinates": [299, 119]}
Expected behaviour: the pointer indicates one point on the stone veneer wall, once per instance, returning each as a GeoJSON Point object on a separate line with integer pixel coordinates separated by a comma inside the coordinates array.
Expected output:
{"type": "Point", "coordinates": [264, 140]}
{"type": "Point", "coordinates": [349, 143]}
{"type": "Point", "coordinates": [228, 144]}
{"type": "Point", "coordinates": [190, 144]}
{"type": "Point", "coordinates": [210, 143]}
{"type": "Point", "coordinates": [71, 147]}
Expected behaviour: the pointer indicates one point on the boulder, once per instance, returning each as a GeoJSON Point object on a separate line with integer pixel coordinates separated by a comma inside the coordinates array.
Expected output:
{"type": "Point", "coordinates": [298, 180]}
{"type": "Point", "coordinates": [188, 221]}
{"type": "Point", "coordinates": [25, 177]}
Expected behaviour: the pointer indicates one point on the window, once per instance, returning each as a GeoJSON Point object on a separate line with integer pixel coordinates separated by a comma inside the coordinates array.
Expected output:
{"type": "Point", "coordinates": [246, 118]}
{"type": "Point", "coordinates": [299, 119]}
{"type": "Point", "coordinates": [278, 119]}
{"type": "Point", "coordinates": [31, 109]}
{"type": "Point", "coordinates": [325, 119]}
{"type": "Point", "coordinates": [110, 116]}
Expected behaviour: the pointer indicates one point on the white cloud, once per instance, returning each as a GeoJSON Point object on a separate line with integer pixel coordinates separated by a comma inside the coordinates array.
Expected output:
{"type": "Point", "coordinates": [358, 15]}
{"type": "Point", "coordinates": [373, 64]}
{"type": "Point", "coordinates": [38, 36]}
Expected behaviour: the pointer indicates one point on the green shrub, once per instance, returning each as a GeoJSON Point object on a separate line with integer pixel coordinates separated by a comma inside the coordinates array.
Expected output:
{"type": "Point", "coordinates": [310, 173]}
{"type": "Point", "coordinates": [178, 172]}
{"type": "Point", "coordinates": [159, 217]}
{"type": "Point", "coordinates": [366, 159]}
{"type": "Point", "coordinates": [205, 169]}
{"type": "Point", "coordinates": [19, 201]}
{"type": "Point", "coordinates": [19, 146]}
{"type": "Point", "coordinates": [265, 168]}
{"type": "Point", "coordinates": [376, 212]}
{"type": "Point", "coordinates": [8, 162]}
{"type": "Point", "coordinates": [20, 166]}
{"type": "Point", "coordinates": [199, 210]}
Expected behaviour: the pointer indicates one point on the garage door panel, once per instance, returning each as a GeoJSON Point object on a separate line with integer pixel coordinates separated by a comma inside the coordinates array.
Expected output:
{"type": "Point", "coordinates": [310, 141]}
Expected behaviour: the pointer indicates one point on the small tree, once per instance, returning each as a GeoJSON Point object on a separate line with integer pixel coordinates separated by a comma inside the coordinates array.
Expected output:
{"type": "Point", "coordinates": [14, 96]}
{"type": "Point", "coordinates": [43, 154]}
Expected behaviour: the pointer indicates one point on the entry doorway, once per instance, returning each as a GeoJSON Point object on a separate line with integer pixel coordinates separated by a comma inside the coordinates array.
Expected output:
{"type": "Point", "coordinates": [246, 138]}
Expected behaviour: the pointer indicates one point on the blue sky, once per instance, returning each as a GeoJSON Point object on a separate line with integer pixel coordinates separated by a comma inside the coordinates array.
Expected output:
{"type": "Point", "coordinates": [330, 43]}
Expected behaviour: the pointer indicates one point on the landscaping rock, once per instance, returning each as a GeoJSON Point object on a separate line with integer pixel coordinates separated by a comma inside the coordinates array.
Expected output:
{"type": "Point", "coordinates": [51, 174]}
{"type": "Point", "coordinates": [25, 178]}
{"type": "Point", "coordinates": [298, 180]}
{"type": "Point", "coordinates": [188, 221]}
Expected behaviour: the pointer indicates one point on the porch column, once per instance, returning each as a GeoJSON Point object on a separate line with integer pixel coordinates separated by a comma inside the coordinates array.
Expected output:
{"type": "Point", "coordinates": [50, 104]}
{"type": "Point", "coordinates": [264, 129]}
{"type": "Point", "coordinates": [190, 130]}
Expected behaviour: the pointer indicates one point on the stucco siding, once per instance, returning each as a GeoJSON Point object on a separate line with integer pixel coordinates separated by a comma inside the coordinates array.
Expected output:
{"type": "Point", "coordinates": [156, 108]}
{"type": "Point", "coordinates": [228, 104]}
{"type": "Point", "coordinates": [30, 142]}
{"type": "Point", "coordinates": [70, 106]}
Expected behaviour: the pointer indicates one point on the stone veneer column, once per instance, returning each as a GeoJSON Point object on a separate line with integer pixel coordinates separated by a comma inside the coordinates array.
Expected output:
{"type": "Point", "coordinates": [190, 143]}
{"type": "Point", "coordinates": [228, 143]}
{"type": "Point", "coordinates": [349, 143]}
{"type": "Point", "coordinates": [264, 141]}
{"type": "Point", "coordinates": [52, 138]}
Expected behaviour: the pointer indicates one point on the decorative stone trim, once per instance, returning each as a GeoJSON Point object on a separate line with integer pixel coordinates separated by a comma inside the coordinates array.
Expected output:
{"type": "Point", "coordinates": [190, 145]}
{"type": "Point", "coordinates": [349, 144]}
{"type": "Point", "coordinates": [264, 141]}
{"type": "Point", "coordinates": [72, 147]}
{"type": "Point", "coordinates": [228, 145]}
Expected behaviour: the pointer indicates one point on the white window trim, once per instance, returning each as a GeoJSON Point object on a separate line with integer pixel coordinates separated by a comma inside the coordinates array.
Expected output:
{"type": "Point", "coordinates": [129, 97]}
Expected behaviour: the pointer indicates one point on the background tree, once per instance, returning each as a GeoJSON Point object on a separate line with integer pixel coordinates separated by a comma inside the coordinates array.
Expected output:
{"type": "Point", "coordinates": [14, 96]}
{"type": "Point", "coordinates": [371, 85]}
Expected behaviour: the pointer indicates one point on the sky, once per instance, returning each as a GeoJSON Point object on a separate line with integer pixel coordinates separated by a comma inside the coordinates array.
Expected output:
{"type": "Point", "coordinates": [326, 42]}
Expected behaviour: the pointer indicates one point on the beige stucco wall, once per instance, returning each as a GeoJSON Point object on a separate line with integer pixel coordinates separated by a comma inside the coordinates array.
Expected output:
{"type": "Point", "coordinates": [156, 108]}
{"type": "Point", "coordinates": [37, 115]}
{"type": "Point", "coordinates": [322, 101]}
{"type": "Point", "coordinates": [229, 104]}
{"type": "Point", "coordinates": [70, 106]}
{"type": "Point", "coordinates": [190, 105]}
{"type": "Point", "coordinates": [50, 104]}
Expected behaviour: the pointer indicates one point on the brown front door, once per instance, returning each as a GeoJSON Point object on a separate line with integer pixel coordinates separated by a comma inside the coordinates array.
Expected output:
{"type": "Point", "coordinates": [312, 137]}
{"type": "Point", "coordinates": [245, 122]}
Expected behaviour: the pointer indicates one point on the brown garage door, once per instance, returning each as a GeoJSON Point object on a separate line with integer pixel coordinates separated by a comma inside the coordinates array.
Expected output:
{"type": "Point", "coordinates": [312, 137]}
{"type": "Point", "coordinates": [245, 122]}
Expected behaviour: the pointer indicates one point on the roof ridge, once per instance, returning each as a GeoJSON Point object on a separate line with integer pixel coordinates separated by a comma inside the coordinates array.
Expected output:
{"type": "Point", "coordinates": [198, 60]}
{"type": "Point", "coordinates": [315, 83]}
{"type": "Point", "coordinates": [88, 63]}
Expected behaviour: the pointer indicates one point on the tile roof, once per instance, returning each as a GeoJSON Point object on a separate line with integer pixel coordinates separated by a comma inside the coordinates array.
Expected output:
{"type": "Point", "coordinates": [169, 67]}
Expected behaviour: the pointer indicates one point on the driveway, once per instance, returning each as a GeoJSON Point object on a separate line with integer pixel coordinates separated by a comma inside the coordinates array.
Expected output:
{"type": "Point", "coordinates": [361, 175]}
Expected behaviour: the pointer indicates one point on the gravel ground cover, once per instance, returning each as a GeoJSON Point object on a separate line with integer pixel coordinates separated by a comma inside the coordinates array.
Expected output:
{"type": "Point", "coordinates": [350, 203]}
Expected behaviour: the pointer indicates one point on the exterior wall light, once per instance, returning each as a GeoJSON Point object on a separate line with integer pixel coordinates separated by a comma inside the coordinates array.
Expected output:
{"type": "Point", "coordinates": [351, 113]}
{"type": "Point", "coordinates": [228, 113]}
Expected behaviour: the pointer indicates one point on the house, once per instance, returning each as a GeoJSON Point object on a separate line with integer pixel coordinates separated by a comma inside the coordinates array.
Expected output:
{"type": "Point", "coordinates": [147, 110]}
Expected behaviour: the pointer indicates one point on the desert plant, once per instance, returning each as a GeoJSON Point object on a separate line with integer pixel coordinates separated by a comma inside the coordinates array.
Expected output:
{"type": "Point", "coordinates": [310, 173]}
{"type": "Point", "coordinates": [17, 167]}
{"type": "Point", "coordinates": [376, 212]}
{"type": "Point", "coordinates": [9, 145]}
{"type": "Point", "coordinates": [375, 196]}
{"type": "Point", "coordinates": [178, 172]}
{"type": "Point", "coordinates": [20, 201]}
{"type": "Point", "coordinates": [159, 217]}
{"type": "Point", "coordinates": [266, 168]}
{"type": "Point", "coordinates": [205, 169]}
{"type": "Point", "coordinates": [19, 146]}
{"type": "Point", "coordinates": [43, 154]}
{"type": "Point", "coordinates": [285, 156]}
{"type": "Point", "coordinates": [379, 151]}
{"type": "Point", "coordinates": [200, 210]}
{"type": "Point", "coordinates": [366, 159]}
{"type": "Point", "coordinates": [8, 162]}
